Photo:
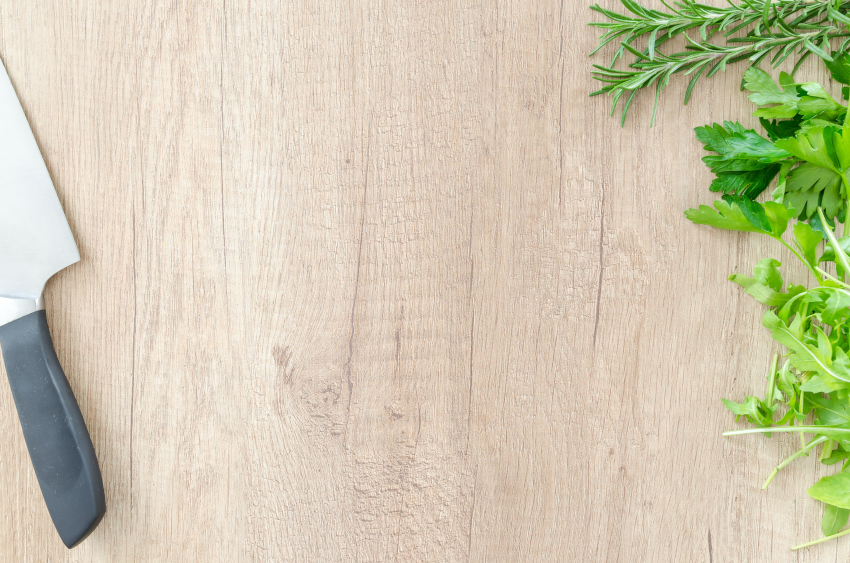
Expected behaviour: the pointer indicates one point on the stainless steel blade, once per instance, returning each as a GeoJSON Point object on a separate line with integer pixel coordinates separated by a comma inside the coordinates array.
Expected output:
{"type": "Point", "coordinates": [35, 239]}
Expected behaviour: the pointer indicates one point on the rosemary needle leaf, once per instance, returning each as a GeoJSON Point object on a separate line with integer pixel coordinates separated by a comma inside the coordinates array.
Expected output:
{"type": "Point", "coordinates": [772, 28]}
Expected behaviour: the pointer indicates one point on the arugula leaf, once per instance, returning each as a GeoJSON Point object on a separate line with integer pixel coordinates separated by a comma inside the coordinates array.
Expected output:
{"type": "Point", "coordinates": [804, 356]}
{"type": "Point", "coordinates": [767, 272]}
{"type": "Point", "coordinates": [834, 490]}
{"type": "Point", "coordinates": [760, 291]}
{"type": "Point", "coordinates": [753, 409]}
{"type": "Point", "coordinates": [830, 412]}
{"type": "Point", "coordinates": [835, 457]}
{"type": "Point", "coordinates": [836, 308]}
{"type": "Point", "coordinates": [765, 91]}
{"type": "Point", "coordinates": [834, 518]}
{"type": "Point", "coordinates": [766, 283]}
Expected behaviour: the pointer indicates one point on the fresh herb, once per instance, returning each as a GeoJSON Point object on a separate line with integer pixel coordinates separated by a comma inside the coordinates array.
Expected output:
{"type": "Point", "coordinates": [772, 30]}
{"type": "Point", "coordinates": [813, 324]}
{"type": "Point", "coordinates": [808, 150]}
{"type": "Point", "coordinates": [807, 146]}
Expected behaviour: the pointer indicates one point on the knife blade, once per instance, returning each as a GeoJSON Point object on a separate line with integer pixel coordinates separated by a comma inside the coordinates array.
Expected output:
{"type": "Point", "coordinates": [35, 243]}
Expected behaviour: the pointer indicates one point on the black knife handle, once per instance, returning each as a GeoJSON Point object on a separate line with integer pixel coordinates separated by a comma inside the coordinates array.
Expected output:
{"type": "Point", "coordinates": [56, 435]}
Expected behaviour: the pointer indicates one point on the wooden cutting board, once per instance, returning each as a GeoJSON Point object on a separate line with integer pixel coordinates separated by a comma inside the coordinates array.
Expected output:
{"type": "Point", "coordinates": [376, 281]}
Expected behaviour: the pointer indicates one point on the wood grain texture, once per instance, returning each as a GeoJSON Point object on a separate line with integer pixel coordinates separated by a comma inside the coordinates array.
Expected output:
{"type": "Point", "coordinates": [375, 281]}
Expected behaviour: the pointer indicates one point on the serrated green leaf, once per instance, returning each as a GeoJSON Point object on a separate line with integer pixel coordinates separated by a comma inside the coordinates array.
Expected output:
{"type": "Point", "coordinates": [818, 103]}
{"type": "Point", "coordinates": [805, 188]}
{"type": "Point", "coordinates": [753, 211]}
{"type": "Point", "coordinates": [760, 291]}
{"type": "Point", "coordinates": [749, 184]}
{"type": "Point", "coordinates": [839, 68]}
{"type": "Point", "coordinates": [818, 182]}
{"type": "Point", "coordinates": [745, 162]}
{"type": "Point", "coordinates": [753, 409]}
{"type": "Point", "coordinates": [741, 214]}
{"type": "Point", "coordinates": [811, 147]}
{"type": "Point", "coordinates": [778, 215]}
{"type": "Point", "coordinates": [726, 216]}
{"type": "Point", "coordinates": [766, 92]}
{"type": "Point", "coordinates": [781, 129]}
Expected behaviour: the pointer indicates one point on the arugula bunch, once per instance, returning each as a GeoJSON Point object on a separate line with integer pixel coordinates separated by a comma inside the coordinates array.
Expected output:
{"type": "Point", "coordinates": [808, 149]}
{"type": "Point", "coordinates": [813, 324]}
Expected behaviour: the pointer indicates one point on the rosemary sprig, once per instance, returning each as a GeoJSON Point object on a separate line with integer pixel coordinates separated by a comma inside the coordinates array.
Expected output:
{"type": "Point", "coordinates": [775, 29]}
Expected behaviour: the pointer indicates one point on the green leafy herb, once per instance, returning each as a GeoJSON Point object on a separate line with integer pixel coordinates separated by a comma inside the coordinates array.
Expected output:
{"type": "Point", "coordinates": [807, 148]}
{"type": "Point", "coordinates": [773, 30]}
{"type": "Point", "coordinates": [811, 324]}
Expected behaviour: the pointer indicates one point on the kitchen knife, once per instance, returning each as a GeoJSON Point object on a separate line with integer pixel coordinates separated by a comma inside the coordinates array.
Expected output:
{"type": "Point", "coordinates": [35, 243]}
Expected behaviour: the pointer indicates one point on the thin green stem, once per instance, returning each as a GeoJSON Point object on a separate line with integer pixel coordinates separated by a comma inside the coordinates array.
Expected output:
{"type": "Point", "coordinates": [846, 186]}
{"type": "Point", "coordinates": [813, 270]}
{"type": "Point", "coordinates": [800, 453]}
{"type": "Point", "coordinates": [840, 255]}
{"type": "Point", "coordinates": [826, 451]}
{"type": "Point", "coordinates": [821, 540]}
{"type": "Point", "coordinates": [832, 278]}
{"type": "Point", "coordinates": [815, 429]}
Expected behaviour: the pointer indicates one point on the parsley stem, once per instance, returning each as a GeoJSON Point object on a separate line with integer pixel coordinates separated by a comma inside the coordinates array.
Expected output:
{"type": "Point", "coordinates": [821, 540]}
{"type": "Point", "coordinates": [801, 452]}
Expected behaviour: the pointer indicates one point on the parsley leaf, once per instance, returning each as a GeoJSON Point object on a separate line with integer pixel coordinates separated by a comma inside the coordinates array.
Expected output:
{"type": "Point", "coordinates": [816, 102]}
{"type": "Point", "coordinates": [740, 214]}
{"type": "Point", "coordinates": [745, 163]}
{"type": "Point", "coordinates": [765, 91]}
{"type": "Point", "coordinates": [781, 128]}
{"type": "Point", "coordinates": [839, 67]}
{"type": "Point", "coordinates": [819, 181]}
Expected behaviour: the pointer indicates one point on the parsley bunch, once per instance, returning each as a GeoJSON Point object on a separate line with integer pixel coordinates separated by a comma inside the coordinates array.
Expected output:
{"type": "Point", "coordinates": [807, 145]}
{"type": "Point", "coordinates": [772, 30]}
{"type": "Point", "coordinates": [808, 149]}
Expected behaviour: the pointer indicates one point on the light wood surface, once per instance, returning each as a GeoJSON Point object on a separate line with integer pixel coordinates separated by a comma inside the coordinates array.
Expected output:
{"type": "Point", "coordinates": [375, 281]}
